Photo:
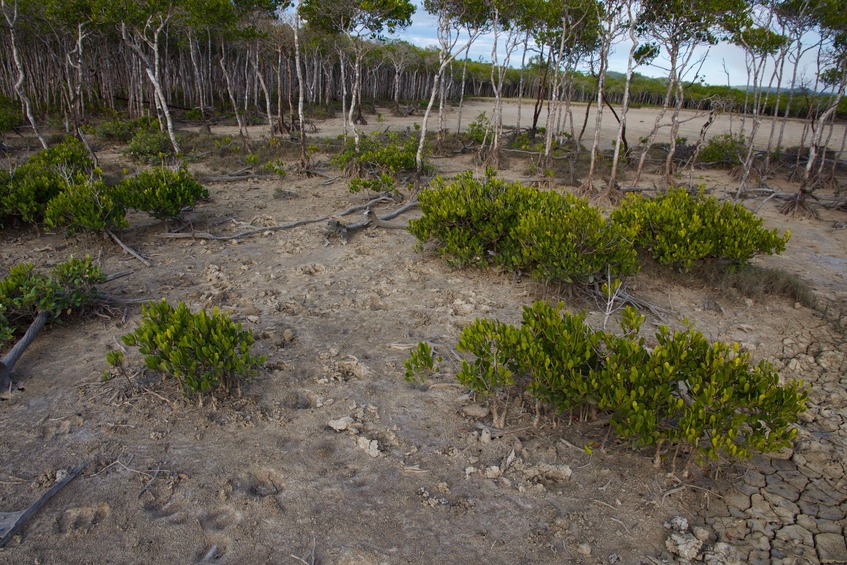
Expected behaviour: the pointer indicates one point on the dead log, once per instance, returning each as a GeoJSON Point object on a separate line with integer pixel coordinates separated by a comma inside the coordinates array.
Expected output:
{"type": "Point", "coordinates": [8, 362]}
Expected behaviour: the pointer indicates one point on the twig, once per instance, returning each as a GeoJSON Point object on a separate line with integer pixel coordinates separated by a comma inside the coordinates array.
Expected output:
{"type": "Point", "coordinates": [153, 478]}
{"type": "Point", "coordinates": [600, 502]}
{"type": "Point", "coordinates": [118, 275]}
{"type": "Point", "coordinates": [672, 491]}
{"type": "Point", "coordinates": [612, 518]}
{"type": "Point", "coordinates": [128, 249]}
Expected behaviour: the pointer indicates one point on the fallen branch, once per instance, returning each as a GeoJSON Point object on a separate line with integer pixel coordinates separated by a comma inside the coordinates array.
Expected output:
{"type": "Point", "coordinates": [248, 233]}
{"type": "Point", "coordinates": [128, 249]}
{"type": "Point", "coordinates": [8, 362]}
{"type": "Point", "coordinates": [12, 522]}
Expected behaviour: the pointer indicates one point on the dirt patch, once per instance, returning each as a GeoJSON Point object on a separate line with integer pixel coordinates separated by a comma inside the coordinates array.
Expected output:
{"type": "Point", "coordinates": [331, 457]}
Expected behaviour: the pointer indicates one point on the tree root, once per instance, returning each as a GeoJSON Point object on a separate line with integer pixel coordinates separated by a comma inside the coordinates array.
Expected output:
{"type": "Point", "coordinates": [8, 362]}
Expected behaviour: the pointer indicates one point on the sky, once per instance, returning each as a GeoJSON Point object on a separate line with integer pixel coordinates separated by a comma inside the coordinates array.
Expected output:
{"type": "Point", "coordinates": [718, 59]}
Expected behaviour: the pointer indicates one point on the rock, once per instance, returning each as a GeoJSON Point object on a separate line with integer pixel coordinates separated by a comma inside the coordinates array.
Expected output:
{"type": "Point", "coordinates": [807, 522]}
{"type": "Point", "coordinates": [340, 424]}
{"type": "Point", "coordinates": [783, 489]}
{"type": "Point", "coordinates": [677, 523]}
{"type": "Point", "coordinates": [492, 472]}
{"type": "Point", "coordinates": [754, 478]}
{"type": "Point", "coordinates": [722, 554]}
{"type": "Point", "coordinates": [371, 446]}
{"type": "Point", "coordinates": [253, 319]}
{"type": "Point", "coordinates": [470, 471]}
{"type": "Point", "coordinates": [684, 545]}
{"type": "Point", "coordinates": [475, 411]}
{"type": "Point", "coordinates": [584, 549]}
{"type": "Point", "coordinates": [701, 533]}
{"type": "Point", "coordinates": [548, 471]}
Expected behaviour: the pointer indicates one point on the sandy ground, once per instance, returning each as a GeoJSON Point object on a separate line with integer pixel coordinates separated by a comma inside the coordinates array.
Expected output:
{"type": "Point", "coordinates": [640, 121]}
{"type": "Point", "coordinates": [417, 475]}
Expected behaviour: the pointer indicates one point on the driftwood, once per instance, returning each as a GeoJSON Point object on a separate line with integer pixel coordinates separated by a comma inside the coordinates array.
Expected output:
{"type": "Point", "coordinates": [338, 228]}
{"type": "Point", "coordinates": [8, 362]}
{"type": "Point", "coordinates": [248, 233]}
{"type": "Point", "coordinates": [128, 249]}
{"type": "Point", "coordinates": [12, 522]}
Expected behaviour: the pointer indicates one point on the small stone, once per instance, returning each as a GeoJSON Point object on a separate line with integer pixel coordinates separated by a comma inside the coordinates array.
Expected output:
{"type": "Point", "coordinates": [684, 545]}
{"type": "Point", "coordinates": [701, 533]}
{"type": "Point", "coordinates": [475, 411]}
{"type": "Point", "coordinates": [759, 508]}
{"type": "Point", "coordinates": [785, 490]}
{"type": "Point", "coordinates": [340, 424]}
{"type": "Point", "coordinates": [485, 436]}
{"type": "Point", "coordinates": [470, 471]}
{"type": "Point", "coordinates": [253, 319]}
{"type": "Point", "coordinates": [723, 554]}
{"type": "Point", "coordinates": [807, 522]}
{"type": "Point", "coordinates": [831, 548]}
{"type": "Point", "coordinates": [370, 446]}
{"type": "Point", "coordinates": [678, 524]}
{"type": "Point", "coordinates": [584, 549]}
{"type": "Point", "coordinates": [492, 472]}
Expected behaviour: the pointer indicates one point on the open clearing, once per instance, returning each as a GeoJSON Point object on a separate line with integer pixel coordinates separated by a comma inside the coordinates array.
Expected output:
{"type": "Point", "coordinates": [414, 475]}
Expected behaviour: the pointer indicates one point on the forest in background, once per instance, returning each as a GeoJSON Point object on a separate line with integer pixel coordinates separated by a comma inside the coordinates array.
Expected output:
{"type": "Point", "coordinates": [278, 63]}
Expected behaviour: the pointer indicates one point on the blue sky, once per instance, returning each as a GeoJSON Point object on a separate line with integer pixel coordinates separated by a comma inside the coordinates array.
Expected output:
{"type": "Point", "coordinates": [422, 32]}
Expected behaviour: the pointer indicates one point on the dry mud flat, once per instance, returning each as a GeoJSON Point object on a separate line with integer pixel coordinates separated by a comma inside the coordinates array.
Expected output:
{"type": "Point", "coordinates": [330, 457]}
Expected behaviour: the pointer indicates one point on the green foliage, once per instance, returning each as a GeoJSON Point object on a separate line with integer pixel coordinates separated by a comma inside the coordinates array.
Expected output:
{"type": "Point", "coordinates": [149, 146]}
{"type": "Point", "coordinates": [25, 292]}
{"type": "Point", "coordinates": [383, 183]}
{"type": "Point", "coordinates": [684, 391]}
{"type": "Point", "coordinates": [488, 221]}
{"type": "Point", "coordinates": [420, 365]}
{"type": "Point", "coordinates": [277, 166]}
{"type": "Point", "coordinates": [161, 192]}
{"type": "Point", "coordinates": [679, 229]}
{"type": "Point", "coordinates": [91, 206]}
{"type": "Point", "coordinates": [124, 130]}
{"type": "Point", "coordinates": [392, 153]}
{"type": "Point", "coordinates": [205, 352]}
{"type": "Point", "coordinates": [563, 238]}
{"type": "Point", "coordinates": [26, 192]}
{"type": "Point", "coordinates": [724, 151]}
{"type": "Point", "coordinates": [10, 113]}
{"type": "Point", "coordinates": [478, 128]}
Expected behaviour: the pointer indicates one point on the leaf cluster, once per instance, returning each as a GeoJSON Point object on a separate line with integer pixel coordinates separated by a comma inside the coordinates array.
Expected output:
{"type": "Point", "coordinates": [678, 229]}
{"type": "Point", "coordinates": [161, 192]}
{"type": "Point", "coordinates": [124, 130]}
{"type": "Point", "coordinates": [206, 353]}
{"type": "Point", "coordinates": [26, 191]}
{"type": "Point", "coordinates": [421, 364]}
{"type": "Point", "coordinates": [25, 292]}
{"type": "Point", "coordinates": [724, 151]}
{"type": "Point", "coordinates": [685, 391]}
{"type": "Point", "coordinates": [560, 238]}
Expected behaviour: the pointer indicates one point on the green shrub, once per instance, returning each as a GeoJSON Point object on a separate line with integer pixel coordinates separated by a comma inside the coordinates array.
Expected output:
{"type": "Point", "coordinates": [161, 192]}
{"type": "Point", "coordinates": [685, 391]}
{"type": "Point", "coordinates": [560, 238]}
{"type": "Point", "coordinates": [679, 229]}
{"type": "Point", "coordinates": [10, 113]}
{"type": "Point", "coordinates": [392, 153]}
{"type": "Point", "coordinates": [384, 183]}
{"type": "Point", "coordinates": [30, 187]}
{"type": "Point", "coordinates": [473, 220]}
{"type": "Point", "coordinates": [25, 292]}
{"type": "Point", "coordinates": [91, 206]}
{"type": "Point", "coordinates": [563, 238]}
{"type": "Point", "coordinates": [421, 364]}
{"type": "Point", "coordinates": [478, 128]}
{"type": "Point", "coordinates": [724, 151]}
{"type": "Point", "coordinates": [125, 130]}
{"type": "Point", "coordinates": [205, 353]}
{"type": "Point", "coordinates": [149, 146]}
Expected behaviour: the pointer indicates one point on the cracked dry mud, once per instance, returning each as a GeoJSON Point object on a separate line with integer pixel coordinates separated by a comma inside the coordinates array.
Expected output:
{"type": "Point", "coordinates": [330, 457]}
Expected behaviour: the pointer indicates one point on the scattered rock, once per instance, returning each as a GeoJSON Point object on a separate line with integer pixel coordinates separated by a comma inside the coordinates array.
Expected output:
{"type": "Point", "coordinates": [684, 545]}
{"type": "Point", "coordinates": [340, 424]}
{"type": "Point", "coordinates": [722, 554]}
{"type": "Point", "coordinates": [475, 411]}
{"type": "Point", "coordinates": [584, 549]}
{"type": "Point", "coordinates": [677, 523]}
{"type": "Point", "coordinates": [371, 446]}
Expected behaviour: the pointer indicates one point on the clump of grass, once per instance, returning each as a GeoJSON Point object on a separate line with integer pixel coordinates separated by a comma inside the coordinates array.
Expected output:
{"type": "Point", "coordinates": [757, 283]}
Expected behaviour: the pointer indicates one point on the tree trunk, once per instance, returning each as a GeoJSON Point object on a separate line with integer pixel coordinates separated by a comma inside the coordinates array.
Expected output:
{"type": "Point", "coordinates": [17, 350]}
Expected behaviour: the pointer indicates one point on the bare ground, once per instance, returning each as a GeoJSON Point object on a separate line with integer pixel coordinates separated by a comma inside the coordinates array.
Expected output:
{"type": "Point", "coordinates": [415, 475]}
